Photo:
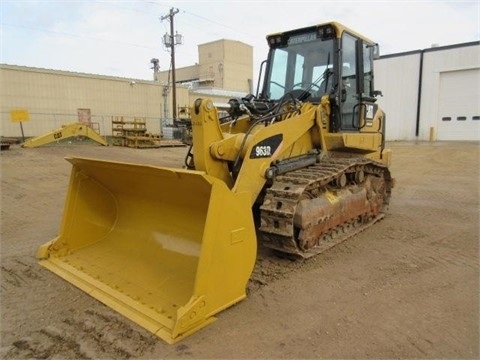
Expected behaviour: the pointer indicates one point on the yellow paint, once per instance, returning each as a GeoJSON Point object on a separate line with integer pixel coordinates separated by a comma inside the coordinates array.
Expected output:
{"type": "Point", "coordinates": [331, 197]}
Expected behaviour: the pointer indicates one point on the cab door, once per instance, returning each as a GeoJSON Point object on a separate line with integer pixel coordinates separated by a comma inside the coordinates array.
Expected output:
{"type": "Point", "coordinates": [349, 87]}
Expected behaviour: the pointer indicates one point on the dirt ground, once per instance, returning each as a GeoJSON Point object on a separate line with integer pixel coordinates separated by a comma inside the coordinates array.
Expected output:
{"type": "Point", "coordinates": [408, 287]}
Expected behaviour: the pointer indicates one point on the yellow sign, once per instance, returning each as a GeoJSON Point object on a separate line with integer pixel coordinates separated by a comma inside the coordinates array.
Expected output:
{"type": "Point", "coordinates": [19, 115]}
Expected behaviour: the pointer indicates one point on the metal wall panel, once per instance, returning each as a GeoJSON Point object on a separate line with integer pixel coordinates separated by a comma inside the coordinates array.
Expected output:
{"type": "Point", "coordinates": [53, 97]}
{"type": "Point", "coordinates": [397, 78]}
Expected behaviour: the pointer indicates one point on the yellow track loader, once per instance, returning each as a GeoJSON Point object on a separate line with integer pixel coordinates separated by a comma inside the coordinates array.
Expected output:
{"type": "Point", "coordinates": [170, 248]}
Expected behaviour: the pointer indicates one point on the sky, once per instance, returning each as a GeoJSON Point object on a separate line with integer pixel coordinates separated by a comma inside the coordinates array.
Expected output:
{"type": "Point", "coordinates": [119, 38]}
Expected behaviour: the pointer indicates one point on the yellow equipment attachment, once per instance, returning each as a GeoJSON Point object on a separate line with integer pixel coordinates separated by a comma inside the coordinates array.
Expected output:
{"type": "Point", "coordinates": [66, 131]}
{"type": "Point", "coordinates": [168, 257]}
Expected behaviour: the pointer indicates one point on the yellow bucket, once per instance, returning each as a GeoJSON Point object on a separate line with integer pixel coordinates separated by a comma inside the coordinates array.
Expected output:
{"type": "Point", "coordinates": [167, 248]}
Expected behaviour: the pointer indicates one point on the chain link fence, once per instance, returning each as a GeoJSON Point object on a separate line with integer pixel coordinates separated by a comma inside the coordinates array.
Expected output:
{"type": "Point", "coordinates": [41, 123]}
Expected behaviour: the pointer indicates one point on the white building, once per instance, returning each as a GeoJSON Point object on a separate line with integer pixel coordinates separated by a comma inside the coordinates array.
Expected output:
{"type": "Point", "coordinates": [431, 94]}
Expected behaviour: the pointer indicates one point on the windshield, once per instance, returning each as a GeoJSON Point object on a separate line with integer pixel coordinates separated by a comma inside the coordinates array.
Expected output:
{"type": "Point", "coordinates": [302, 64]}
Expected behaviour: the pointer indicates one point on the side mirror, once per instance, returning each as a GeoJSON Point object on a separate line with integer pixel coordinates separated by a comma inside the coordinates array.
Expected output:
{"type": "Point", "coordinates": [376, 51]}
{"type": "Point", "coordinates": [377, 93]}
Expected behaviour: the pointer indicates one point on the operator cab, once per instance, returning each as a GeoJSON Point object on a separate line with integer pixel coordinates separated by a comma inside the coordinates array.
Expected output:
{"type": "Point", "coordinates": [327, 59]}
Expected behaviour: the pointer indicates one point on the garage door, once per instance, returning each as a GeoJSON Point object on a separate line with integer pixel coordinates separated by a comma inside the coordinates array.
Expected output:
{"type": "Point", "coordinates": [458, 105]}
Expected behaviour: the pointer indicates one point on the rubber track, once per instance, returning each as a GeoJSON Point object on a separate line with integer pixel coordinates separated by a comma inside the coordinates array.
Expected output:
{"type": "Point", "coordinates": [277, 227]}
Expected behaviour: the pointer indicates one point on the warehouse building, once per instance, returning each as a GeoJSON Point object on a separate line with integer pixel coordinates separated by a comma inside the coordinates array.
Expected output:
{"type": "Point", "coordinates": [54, 98]}
{"type": "Point", "coordinates": [430, 94]}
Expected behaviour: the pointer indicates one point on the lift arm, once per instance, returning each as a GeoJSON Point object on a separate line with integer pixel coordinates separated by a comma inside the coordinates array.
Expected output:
{"type": "Point", "coordinates": [66, 131]}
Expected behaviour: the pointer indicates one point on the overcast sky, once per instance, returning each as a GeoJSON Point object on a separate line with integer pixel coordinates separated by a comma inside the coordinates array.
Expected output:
{"type": "Point", "coordinates": [120, 38]}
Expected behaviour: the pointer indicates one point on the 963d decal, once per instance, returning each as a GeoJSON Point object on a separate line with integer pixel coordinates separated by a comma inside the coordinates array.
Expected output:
{"type": "Point", "coordinates": [267, 147]}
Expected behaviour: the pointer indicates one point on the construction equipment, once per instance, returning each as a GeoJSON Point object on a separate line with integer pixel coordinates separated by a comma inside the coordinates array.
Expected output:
{"type": "Point", "coordinates": [6, 142]}
{"type": "Point", "coordinates": [170, 248]}
{"type": "Point", "coordinates": [65, 132]}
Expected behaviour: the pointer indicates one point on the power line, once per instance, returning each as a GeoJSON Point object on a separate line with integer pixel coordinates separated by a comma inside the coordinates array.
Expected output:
{"type": "Point", "coordinates": [115, 5]}
{"type": "Point", "coordinates": [210, 20]}
{"type": "Point", "coordinates": [76, 35]}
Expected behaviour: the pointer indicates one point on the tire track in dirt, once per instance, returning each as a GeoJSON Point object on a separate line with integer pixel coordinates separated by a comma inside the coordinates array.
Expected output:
{"type": "Point", "coordinates": [421, 252]}
{"type": "Point", "coordinates": [17, 273]}
{"type": "Point", "coordinates": [91, 335]}
{"type": "Point", "coordinates": [88, 334]}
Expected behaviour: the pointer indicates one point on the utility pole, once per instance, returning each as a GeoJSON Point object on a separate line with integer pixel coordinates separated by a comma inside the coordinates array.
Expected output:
{"type": "Point", "coordinates": [170, 41]}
